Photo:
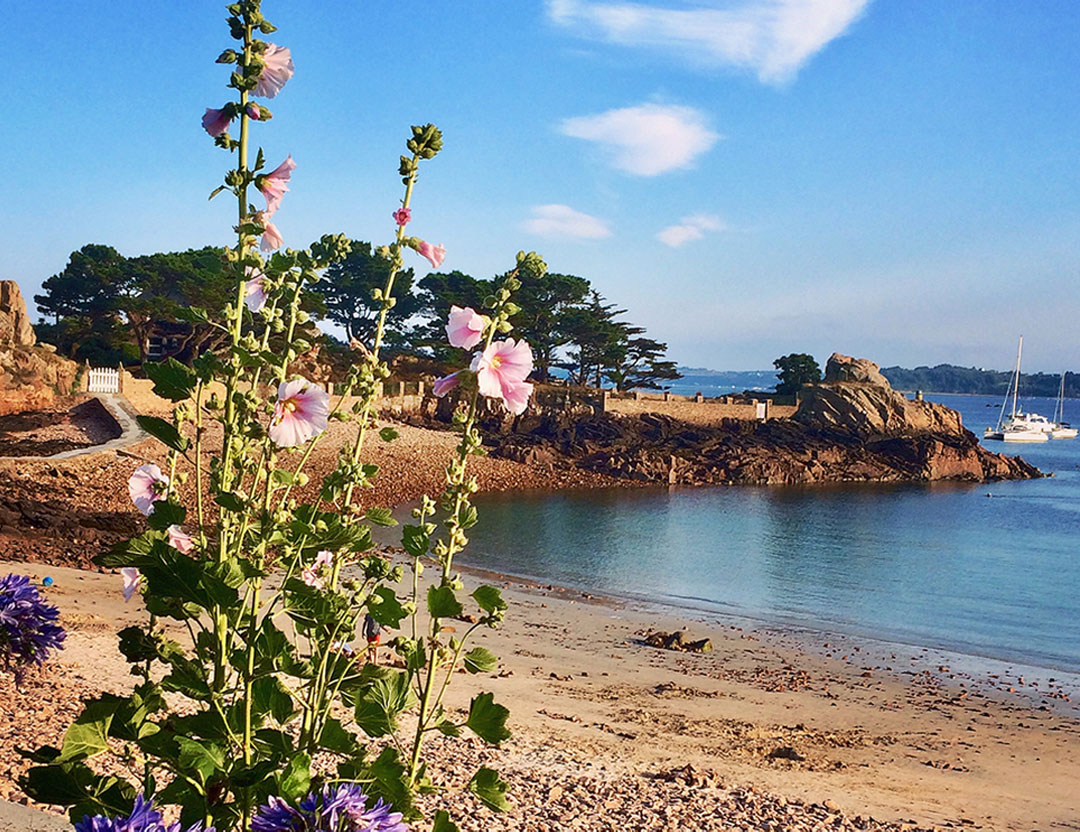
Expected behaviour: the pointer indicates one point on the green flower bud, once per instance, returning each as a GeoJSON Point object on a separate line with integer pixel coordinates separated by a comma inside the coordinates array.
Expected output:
{"type": "Point", "coordinates": [229, 56]}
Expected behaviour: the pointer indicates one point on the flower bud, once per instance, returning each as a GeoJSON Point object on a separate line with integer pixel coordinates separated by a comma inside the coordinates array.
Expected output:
{"type": "Point", "coordinates": [229, 56]}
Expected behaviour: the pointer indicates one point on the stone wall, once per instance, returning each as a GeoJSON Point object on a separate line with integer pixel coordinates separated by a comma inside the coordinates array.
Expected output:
{"type": "Point", "coordinates": [698, 412]}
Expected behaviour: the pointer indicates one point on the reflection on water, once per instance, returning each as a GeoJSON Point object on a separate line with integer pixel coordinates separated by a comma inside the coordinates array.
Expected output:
{"type": "Point", "coordinates": [943, 565]}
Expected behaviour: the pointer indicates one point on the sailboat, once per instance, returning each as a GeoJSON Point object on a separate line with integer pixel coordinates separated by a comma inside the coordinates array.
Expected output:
{"type": "Point", "coordinates": [1061, 428]}
{"type": "Point", "coordinates": [1020, 426]}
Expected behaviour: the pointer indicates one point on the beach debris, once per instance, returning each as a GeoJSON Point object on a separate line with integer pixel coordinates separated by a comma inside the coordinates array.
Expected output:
{"type": "Point", "coordinates": [677, 640]}
{"type": "Point", "coordinates": [785, 752]}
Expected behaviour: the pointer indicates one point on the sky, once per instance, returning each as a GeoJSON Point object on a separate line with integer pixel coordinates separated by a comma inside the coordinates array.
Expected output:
{"type": "Point", "coordinates": [893, 179]}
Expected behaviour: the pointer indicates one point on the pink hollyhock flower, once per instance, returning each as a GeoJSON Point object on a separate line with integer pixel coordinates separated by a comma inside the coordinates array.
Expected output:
{"type": "Point", "coordinates": [435, 254]}
{"type": "Point", "coordinates": [444, 385]}
{"type": "Point", "coordinates": [317, 573]}
{"type": "Point", "coordinates": [180, 540]}
{"type": "Point", "coordinates": [301, 412]}
{"type": "Point", "coordinates": [501, 370]}
{"type": "Point", "coordinates": [402, 216]}
{"type": "Point", "coordinates": [146, 486]}
{"type": "Point", "coordinates": [277, 70]}
{"type": "Point", "coordinates": [215, 122]}
{"type": "Point", "coordinates": [465, 328]}
{"type": "Point", "coordinates": [275, 184]}
{"type": "Point", "coordinates": [516, 397]}
{"type": "Point", "coordinates": [131, 578]}
{"type": "Point", "coordinates": [253, 111]}
{"type": "Point", "coordinates": [271, 238]}
{"type": "Point", "coordinates": [255, 289]}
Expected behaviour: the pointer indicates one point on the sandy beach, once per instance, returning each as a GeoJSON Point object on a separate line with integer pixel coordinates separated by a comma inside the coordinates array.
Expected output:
{"type": "Point", "coordinates": [612, 734]}
{"type": "Point", "coordinates": [770, 730]}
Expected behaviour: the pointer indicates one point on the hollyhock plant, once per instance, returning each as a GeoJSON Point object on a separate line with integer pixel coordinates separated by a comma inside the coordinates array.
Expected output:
{"type": "Point", "coordinates": [216, 122]}
{"type": "Point", "coordinates": [341, 808]}
{"type": "Point", "coordinates": [317, 573]}
{"type": "Point", "coordinates": [301, 412]}
{"type": "Point", "coordinates": [255, 289]}
{"type": "Point", "coordinates": [146, 486]}
{"type": "Point", "coordinates": [277, 70]}
{"type": "Point", "coordinates": [132, 579]}
{"type": "Point", "coordinates": [444, 385]}
{"type": "Point", "coordinates": [402, 216]}
{"type": "Point", "coordinates": [275, 185]}
{"type": "Point", "coordinates": [180, 540]}
{"type": "Point", "coordinates": [434, 254]}
{"type": "Point", "coordinates": [465, 327]}
{"type": "Point", "coordinates": [143, 818]}
{"type": "Point", "coordinates": [254, 112]}
{"type": "Point", "coordinates": [271, 237]}
{"type": "Point", "coordinates": [501, 370]}
{"type": "Point", "coordinates": [28, 628]}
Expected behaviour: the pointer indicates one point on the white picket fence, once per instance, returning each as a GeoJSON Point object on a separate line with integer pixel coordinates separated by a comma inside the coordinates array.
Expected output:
{"type": "Point", "coordinates": [104, 380]}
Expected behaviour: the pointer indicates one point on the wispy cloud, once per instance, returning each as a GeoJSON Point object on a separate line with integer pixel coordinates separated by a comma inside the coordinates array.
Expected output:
{"type": "Point", "coordinates": [772, 38]}
{"type": "Point", "coordinates": [647, 140]}
{"type": "Point", "coordinates": [690, 228]}
{"type": "Point", "coordinates": [564, 221]}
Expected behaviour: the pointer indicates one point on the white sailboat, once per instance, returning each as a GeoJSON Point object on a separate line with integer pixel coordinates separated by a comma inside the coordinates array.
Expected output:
{"type": "Point", "coordinates": [1020, 426]}
{"type": "Point", "coordinates": [1061, 429]}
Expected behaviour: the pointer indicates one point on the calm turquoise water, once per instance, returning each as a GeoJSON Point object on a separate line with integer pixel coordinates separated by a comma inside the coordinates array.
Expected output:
{"type": "Point", "coordinates": [943, 566]}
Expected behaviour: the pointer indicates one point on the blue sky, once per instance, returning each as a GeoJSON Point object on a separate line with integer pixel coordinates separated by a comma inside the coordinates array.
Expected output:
{"type": "Point", "coordinates": [897, 179]}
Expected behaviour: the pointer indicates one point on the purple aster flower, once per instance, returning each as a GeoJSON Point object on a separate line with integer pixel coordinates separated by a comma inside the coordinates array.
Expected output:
{"type": "Point", "coordinates": [143, 818]}
{"type": "Point", "coordinates": [341, 808]}
{"type": "Point", "coordinates": [28, 628]}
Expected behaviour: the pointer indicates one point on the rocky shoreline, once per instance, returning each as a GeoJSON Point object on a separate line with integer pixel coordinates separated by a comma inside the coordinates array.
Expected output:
{"type": "Point", "coordinates": [853, 427]}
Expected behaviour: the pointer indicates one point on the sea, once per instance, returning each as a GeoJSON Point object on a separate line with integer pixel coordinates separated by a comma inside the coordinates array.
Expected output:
{"type": "Point", "coordinates": [984, 571]}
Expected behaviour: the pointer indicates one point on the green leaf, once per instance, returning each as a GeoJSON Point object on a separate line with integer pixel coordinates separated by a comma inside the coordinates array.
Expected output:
{"type": "Point", "coordinates": [186, 677]}
{"type": "Point", "coordinates": [165, 514]}
{"type": "Point", "coordinates": [442, 603]}
{"type": "Point", "coordinates": [163, 431]}
{"type": "Point", "coordinates": [448, 728]}
{"type": "Point", "coordinates": [201, 757]}
{"type": "Point", "coordinates": [88, 735]}
{"type": "Point", "coordinates": [415, 540]}
{"type": "Point", "coordinates": [443, 823]}
{"type": "Point", "coordinates": [488, 720]}
{"type": "Point", "coordinates": [380, 517]}
{"type": "Point", "coordinates": [172, 380]}
{"type": "Point", "coordinates": [336, 737]}
{"type": "Point", "coordinates": [296, 779]}
{"type": "Point", "coordinates": [489, 598]}
{"type": "Point", "coordinates": [230, 501]}
{"type": "Point", "coordinates": [269, 696]}
{"type": "Point", "coordinates": [389, 780]}
{"type": "Point", "coordinates": [480, 660]}
{"type": "Point", "coordinates": [385, 607]}
{"type": "Point", "coordinates": [388, 434]}
{"type": "Point", "coordinates": [377, 707]}
{"type": "Point", "coordinates": [468, 516]}
{"type": "Point", "coordinates": [491, 790]}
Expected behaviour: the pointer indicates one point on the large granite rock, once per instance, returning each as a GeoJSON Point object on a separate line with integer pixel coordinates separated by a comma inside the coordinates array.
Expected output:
{"type": "Point", "coordinates": [15, 327]}
{"type": "Point", "coordinates": [856, 397]}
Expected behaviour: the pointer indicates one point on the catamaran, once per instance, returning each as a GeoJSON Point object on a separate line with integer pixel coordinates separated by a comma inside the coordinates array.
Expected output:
{"type": "Point", "coordinates": [1061, 429]}
{"type": "Point", "coordinates": [1020, 426]}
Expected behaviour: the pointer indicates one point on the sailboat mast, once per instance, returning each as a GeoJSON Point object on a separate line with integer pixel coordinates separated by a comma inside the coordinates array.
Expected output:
{"type": "Point", "coordinates": [1016, 377]}
{"type": "Point", "coordinates": [1059, 410]}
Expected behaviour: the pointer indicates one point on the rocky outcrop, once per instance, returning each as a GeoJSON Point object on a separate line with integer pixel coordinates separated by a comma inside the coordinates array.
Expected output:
{"type": "Point", "coordinates": [31, 375]}
{"type": "Point", "coordinates": [856, 397]}
{"type": "Point", "coordinates": [851, 428]}
{"type": "Point", "coordinates": [15, 327]}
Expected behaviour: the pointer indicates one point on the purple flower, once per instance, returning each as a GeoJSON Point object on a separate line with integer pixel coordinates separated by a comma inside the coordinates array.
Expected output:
{"type": "Point", "coordinates": [444, 385]}
{"type": "Point", "coordinates": [254, 289]}
{"type": "Point", "coordinates": [146, 486]}
{"type": "Point", "coordinates": [132, 579]}
{"type": "Point", "coordinates": [402, 216]}
{"type": "Point", "coordinates": [143, 818]}
{"type": "Point", "coordinates": [342, 808]}
{"type": "Point", "coordinates": [28, 628]}
{"type": "Point", "coordinates": [215, 122]}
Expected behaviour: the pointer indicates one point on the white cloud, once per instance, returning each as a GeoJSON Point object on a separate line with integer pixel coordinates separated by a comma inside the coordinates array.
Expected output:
{"type": "Point", "coordinates": [646, 140]}
{"type": "Point", "coordinates": [690, 228]}
{"type": "Point", "coordinates": [564, 221]}
{"type": "Point", "coordinates": [772, 38]}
